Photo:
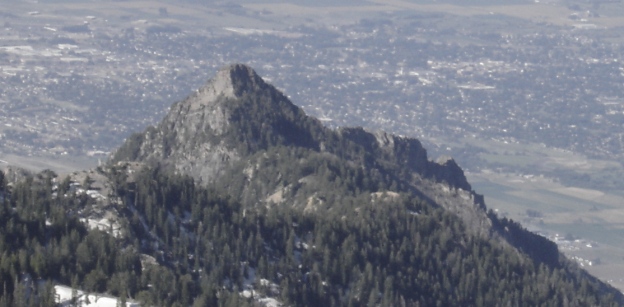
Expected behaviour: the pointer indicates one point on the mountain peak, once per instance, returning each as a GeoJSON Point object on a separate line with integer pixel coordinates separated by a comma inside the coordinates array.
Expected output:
{"type": "Point", "coordinates": [242, 77]}
{"type": "Point", "coordinates": [232, 81]}
{"type": "Point", "coordinates": [236, 113]}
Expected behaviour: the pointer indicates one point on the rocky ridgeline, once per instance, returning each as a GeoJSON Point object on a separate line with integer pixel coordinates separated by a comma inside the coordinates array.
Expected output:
{"type": "Point", "coordinates": [237, 114]}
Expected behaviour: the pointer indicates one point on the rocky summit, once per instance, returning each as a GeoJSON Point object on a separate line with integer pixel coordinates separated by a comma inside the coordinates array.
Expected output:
{"type": "Point", "coordinates": [236, 114]}
{"type": "Point", "coordinates": [225, 133]}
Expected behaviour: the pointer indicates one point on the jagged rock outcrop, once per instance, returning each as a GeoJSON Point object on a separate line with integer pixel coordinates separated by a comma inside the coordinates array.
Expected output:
{"type": "Point", "coordinates": [392, 149]}
{"type": "Point", "coordinates": [234, 114]}
{"type": "Point", "coordinates": [445, 169]}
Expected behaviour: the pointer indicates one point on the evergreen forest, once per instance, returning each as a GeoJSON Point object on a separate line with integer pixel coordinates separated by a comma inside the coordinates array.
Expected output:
{"type": "Point", "coordinates": [206, 249]}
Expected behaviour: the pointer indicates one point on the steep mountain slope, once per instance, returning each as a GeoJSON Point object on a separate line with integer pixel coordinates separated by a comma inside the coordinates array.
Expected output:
{"type": "Point", "coordinates": [225, 129]}
{"type": "Point", "coordinates": [244, 138]}
{"type": "Point", "coordinates": [237, 115]}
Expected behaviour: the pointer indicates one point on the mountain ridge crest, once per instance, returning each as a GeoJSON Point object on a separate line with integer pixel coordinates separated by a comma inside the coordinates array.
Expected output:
{"type": "Point", "coordinates": [230, 81]}
{"type": "Point", "coordinates": [237, 114]}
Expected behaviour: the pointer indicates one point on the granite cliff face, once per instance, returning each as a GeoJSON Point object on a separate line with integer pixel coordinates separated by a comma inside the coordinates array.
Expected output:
{"type": "Point", "coordinates": [229, 126]}
{"type": "Point", "coordinates": [234, 114]}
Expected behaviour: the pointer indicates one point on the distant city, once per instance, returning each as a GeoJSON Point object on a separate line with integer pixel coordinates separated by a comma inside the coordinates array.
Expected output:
{"type": "Point", "coordinates": [79, 85]}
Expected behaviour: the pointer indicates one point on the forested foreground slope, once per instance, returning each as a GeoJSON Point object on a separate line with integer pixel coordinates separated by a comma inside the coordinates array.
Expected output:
{"type": "Point", "coordinates": [238, 198]}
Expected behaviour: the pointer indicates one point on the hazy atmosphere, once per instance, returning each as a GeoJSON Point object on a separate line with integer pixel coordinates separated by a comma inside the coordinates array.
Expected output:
{"type": "Point", "coordinates": [527, 97]}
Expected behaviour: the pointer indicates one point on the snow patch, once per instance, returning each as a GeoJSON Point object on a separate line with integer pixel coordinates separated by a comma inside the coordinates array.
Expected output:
{"type": "Point", "coordinates": [104, 224]}
{"type": "Point", "coordinates": [270, 302]}
{"type": "Point", "coordinates": [64, 298]}
{"type": "Point", "coordinates": [250, 292]}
